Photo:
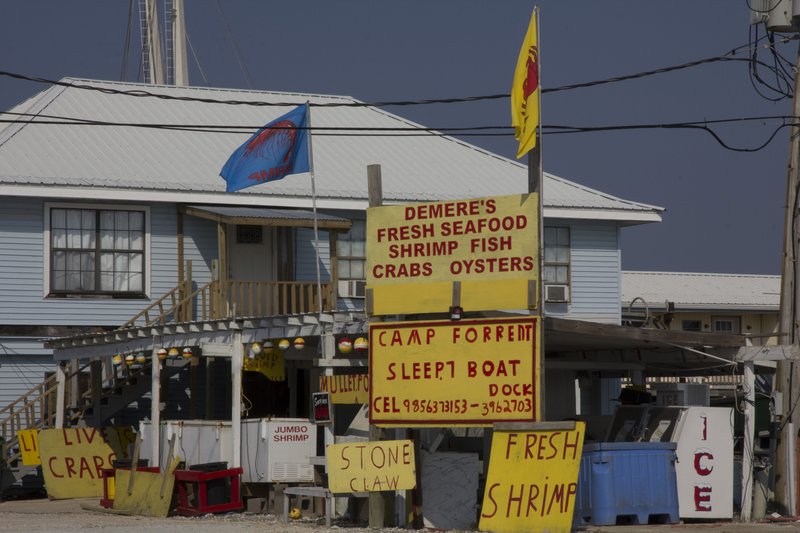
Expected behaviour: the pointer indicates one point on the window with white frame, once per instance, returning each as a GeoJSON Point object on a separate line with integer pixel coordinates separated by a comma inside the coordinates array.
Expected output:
{"type": "Point", "coordinates": [556, 256]}
{"type": "Point", "coordinates": [97, 252]}
{"type": "Point", "coordinates": [726, 324]}
{"type": "Point", "coordinates": [351, 252]}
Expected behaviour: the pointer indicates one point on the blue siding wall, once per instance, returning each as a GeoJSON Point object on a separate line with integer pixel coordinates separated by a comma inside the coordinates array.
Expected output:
{"type": "Point", "coordinates": [305, 256]}
{"type": "Point", "coordinates": [22, 298]}
{"type": "Point", "coordinates": [595, 262]}
{"type": "Point", "coordinates": [23, 364]}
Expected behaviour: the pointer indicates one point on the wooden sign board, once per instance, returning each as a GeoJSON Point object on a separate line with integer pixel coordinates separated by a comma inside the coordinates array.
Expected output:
{"type": "Point", "coordinates": [371, 466]}
{"type": "Point", "coordinates": [468, 372]}
{"type": "Point", "coordinates": [29, 446]}
{"type": "Point", "coordinates": [269, 362]}
{"type": "Point", "coordinates": [73, 459]}
{"type": "Point", "coordinates": [346, 388]}
{"type": "Point", "coordinates": [489, 245]}
{"type": "Point", "coordinates": [532, 481]}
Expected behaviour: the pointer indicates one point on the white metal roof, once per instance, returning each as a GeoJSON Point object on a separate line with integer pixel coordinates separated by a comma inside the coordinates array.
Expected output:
{"type": "Point", "coordinates": [702, 291]}
{"type": "Point", "coordinates": [169, 165]}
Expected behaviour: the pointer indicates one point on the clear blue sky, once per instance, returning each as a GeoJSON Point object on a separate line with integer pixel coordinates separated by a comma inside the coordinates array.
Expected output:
{"type": "Point", "coordinates": [724, 209]}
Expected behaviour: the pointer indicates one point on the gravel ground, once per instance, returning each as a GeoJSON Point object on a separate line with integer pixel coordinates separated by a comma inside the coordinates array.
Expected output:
{"type": "Point", "coordinates": [44, 516]}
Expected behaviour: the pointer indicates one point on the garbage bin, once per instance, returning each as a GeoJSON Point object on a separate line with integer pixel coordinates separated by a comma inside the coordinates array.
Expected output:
{"type": "Point", "coordinates": [627, 483]}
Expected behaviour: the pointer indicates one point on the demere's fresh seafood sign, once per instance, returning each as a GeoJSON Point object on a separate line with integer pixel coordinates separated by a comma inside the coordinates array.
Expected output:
{"type": "Point", "coordinates": [489, 245]}
{"type": "Point", "coordinates": [468, 372]}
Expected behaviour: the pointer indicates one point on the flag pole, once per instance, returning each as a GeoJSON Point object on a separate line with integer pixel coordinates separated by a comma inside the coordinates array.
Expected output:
{"type": "Point", "coordinates": [314, 208]}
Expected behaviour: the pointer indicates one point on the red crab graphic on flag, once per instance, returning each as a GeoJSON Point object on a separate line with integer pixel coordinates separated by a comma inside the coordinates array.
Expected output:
{"type": "Point", "coordinates": [282, 136]}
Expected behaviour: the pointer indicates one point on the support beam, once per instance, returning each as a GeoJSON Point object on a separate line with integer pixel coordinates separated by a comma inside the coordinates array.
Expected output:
{"type": "Point", "coordinates": [61, 390]}
{"type": "Point", "coordinates": [155, 409]}
{"type": "Point", "coordinates": [237, 359]}
{"type": "Point", "coordinates": [749, 431]}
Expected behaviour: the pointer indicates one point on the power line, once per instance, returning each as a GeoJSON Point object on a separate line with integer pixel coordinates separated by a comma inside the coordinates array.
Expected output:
{"type": "Point", "coordinates": [730, 56]}
{"type": "Point", "coordinates": [470, 131]}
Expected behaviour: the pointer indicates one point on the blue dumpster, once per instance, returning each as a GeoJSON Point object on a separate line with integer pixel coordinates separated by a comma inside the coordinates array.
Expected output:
{"type": "Point", "coordinates": [627, 483]}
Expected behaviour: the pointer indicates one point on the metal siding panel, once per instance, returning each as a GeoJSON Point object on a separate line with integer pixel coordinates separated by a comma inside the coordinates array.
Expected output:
{"type": "Point", "coordinates": [23, 364]}
{"type": "Point", "coordinates": [305, 256]}
{"type": "Point", "coordinates": [595, 264]}
{"type": "Point", "coordinates": [22, 270]}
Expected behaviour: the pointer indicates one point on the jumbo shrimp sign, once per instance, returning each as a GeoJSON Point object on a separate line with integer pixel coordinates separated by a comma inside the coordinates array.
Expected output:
{"type": "Point", "coordinates": [468, 372]}
{"type": "Point", "coordinates": [489, 246]}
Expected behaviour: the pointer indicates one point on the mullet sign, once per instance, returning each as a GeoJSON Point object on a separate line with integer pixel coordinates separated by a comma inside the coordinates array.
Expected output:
{"type": "Point", "coordinates": [468, 372]}
{"type": "Point", "coordinates": [489, 246]}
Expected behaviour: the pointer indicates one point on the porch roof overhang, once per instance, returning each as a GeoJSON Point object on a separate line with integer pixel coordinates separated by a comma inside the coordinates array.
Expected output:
{"type": "Point", "coordinates": [569, 344]}
{"type": "Point", "coordinates": [582, 345]}
{"type": "Point", "coordinates": [264, 216]}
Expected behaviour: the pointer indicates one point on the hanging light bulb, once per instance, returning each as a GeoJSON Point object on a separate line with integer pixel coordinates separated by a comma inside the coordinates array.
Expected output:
{"type": "Point", "coordinates": [141, 358]}
{"type": "Point", "coordinates": [284, 344]}
{"type": "Point", "coordinates": [117, 359]}
{"type": "Point", "coordinates": [130, 359]}
{"type": "Point", "coordinates": [162, 353]}
{"type": "Point", "coordinates": [345, 345]}
{"type": "Point", "coordinates": [299, 343]}
{"type": "Point", "coordinates": [173, 352]}
{"type": "Point", "coordinates": [361, 345]}
{"type": "Point", "coordinates": [256, 348]}
{"type": "Point", "coordinates": [187, 352]}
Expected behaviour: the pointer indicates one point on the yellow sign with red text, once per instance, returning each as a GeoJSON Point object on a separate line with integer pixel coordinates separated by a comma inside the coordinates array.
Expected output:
{"type": "Point", "coordinates": [29, 446]}
{"type": "Point", "coordinates": [465, 373]}
{"type": "Point", "coordinates": [371, 466]}
{"type": "Point", "coordinates": [532, 481]}
{"type": "Point", "coordinates": [346, 388]}
{"type": "Point", "coordinates": [269, 362]}
{"type": "Point", "coordinates": [490, 246]}
{"type": "Point", "coordinates": [73, 459]}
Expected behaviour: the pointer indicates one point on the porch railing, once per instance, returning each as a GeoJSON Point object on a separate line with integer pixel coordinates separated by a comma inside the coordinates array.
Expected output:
{"type": "Point", "coordinates": [236, 299]}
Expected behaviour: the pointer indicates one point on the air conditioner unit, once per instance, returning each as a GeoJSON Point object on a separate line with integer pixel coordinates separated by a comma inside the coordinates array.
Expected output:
{"type": "Point", "coordinates": [556, 293]}
{"type": "Point", "coordinates": [352, 289]}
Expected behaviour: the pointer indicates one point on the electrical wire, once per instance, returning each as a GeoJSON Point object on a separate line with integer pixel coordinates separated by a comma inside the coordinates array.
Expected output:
{"type": "Point", "coordinates": [474, 131]}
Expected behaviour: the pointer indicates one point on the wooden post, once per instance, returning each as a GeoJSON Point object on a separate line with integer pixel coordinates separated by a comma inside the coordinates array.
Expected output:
{"type": "Point", "coordinates": [377, 500]}
{"type": "Point", "coordinates": [155, 411]}
{"type": "Point", "coordinates": [237, 359]}
{"type": "Point", "coordinates": [182, 291]}
{"type": "Point", "coordinates": [787, 374]}
{"type": "Point", "coordinates": [61, 385]}
{"type": "Point", "coordinates": [96, 376]}
{"type": "Point", "coordinates": [749, 436]}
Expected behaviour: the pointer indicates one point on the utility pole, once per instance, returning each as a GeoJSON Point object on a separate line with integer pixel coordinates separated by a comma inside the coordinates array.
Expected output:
{"type": "Point", "coordinates": [787, 376]}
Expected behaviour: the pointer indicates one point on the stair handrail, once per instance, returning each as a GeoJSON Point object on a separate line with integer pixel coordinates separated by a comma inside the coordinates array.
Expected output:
{"type": "Point", "coordinates": [174, 309]}
{"type": "Point", "coordinates": [47, 388]}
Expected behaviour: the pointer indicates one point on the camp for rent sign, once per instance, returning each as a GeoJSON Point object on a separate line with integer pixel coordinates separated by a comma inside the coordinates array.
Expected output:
{"type": "Point", "coordinates": [468, 372]}
{"type": "Point", "coordinates": [532, 481]}
{"type": "Point", "coordinates": [73, 459]}
{"type": "Point", "coordinates": [371, 466]}
{"type": "Point", "coordinates": [488, 245]}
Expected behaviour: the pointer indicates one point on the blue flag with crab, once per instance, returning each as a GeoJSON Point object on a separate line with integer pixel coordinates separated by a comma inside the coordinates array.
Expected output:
{"type": "Point", "coordinates": [278, 149]}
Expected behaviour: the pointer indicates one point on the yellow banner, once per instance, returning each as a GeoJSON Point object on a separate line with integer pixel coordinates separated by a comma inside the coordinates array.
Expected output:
{"type": "Point", "coordinates": [29, 446]}
{"type": "Point", "coordinates": [371, 466]}
{"type": "Point", "coordinates": [73, 459]}
{"type": "Point", "coordinates": [532, 481]}
{"type": "Point", "coordinates": [490, 245]}
{"type": "Point", "coordinates": [468, 372]}
{"type": "Point", "coordinates": [346, 389]}
{"type": "Point", "coordinates": [269, 362]}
